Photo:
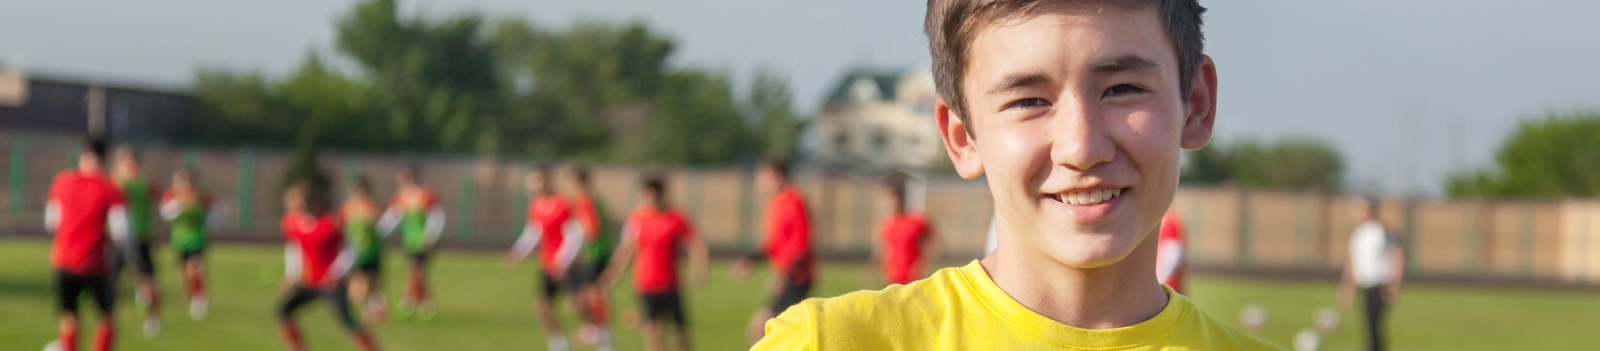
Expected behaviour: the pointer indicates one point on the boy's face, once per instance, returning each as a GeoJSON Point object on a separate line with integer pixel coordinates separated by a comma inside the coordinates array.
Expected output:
{"type": "Point", "coordinates": [536, 182]}
{"type": "Point", "coordinates": [1079, 123]}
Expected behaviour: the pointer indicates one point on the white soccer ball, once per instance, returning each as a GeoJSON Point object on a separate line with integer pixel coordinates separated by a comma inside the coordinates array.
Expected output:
{"type": "Point", "coordinates": [53, 346]}
{"type": "Point", "coordinates": [1326, 319]}
{"type": "Point", "coordinates": [1253, 317]}
{"type": "Point", "coordinates": [1307, 340]}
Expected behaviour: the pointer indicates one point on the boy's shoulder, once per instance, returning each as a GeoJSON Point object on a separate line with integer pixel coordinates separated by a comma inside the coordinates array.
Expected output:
{"type": "Point", "coordinates": [868, 319]}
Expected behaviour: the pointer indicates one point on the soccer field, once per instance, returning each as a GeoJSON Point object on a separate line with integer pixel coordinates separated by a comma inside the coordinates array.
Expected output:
{"type": "Point", "coordinates": [486, 307]}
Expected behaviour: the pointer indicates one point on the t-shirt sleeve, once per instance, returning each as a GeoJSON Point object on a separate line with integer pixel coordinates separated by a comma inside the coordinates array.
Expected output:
{"type": "Point", "coordinates": [795, 329]}
{"type": "Point", "coordinates": [55, 189]}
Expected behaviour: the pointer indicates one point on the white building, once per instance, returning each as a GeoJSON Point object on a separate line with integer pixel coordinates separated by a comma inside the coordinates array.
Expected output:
{"type": "Point", "coordinates": [880, 119]}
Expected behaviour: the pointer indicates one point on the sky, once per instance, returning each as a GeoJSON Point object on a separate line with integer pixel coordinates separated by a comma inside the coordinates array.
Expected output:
{"type": "Point", "coordinates": [1408, 91]}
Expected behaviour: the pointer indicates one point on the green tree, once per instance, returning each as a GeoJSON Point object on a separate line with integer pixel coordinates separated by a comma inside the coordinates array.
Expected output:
{"type": "Point", "coordinates": [1554, 156]}
{"type": "Point", "coordinates": [1296, 163]}
{"type": "Point", "coordinates": [777, 127]}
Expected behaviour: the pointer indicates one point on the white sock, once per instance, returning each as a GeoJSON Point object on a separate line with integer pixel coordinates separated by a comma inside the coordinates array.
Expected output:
{"type": "Point", "coordinates": [557, 342]}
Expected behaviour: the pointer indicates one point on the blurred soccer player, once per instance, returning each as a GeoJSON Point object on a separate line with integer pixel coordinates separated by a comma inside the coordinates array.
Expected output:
{"type": "Point", "coordinates": [906, 246]}
{"type": "Point", "coordinates": [140, 196]}
{"type": "Point", "coordinates": [595, 255]}
{"type": "Point", "coordinates": [787, 245]}
{"type": "Point", "coordinates": [83, 204]}
{"type": "Point", "coordinates": [557, 235]}
{"type": "Point", "coordinates": [188, 209]}
{"type": "Point", "coordinates": [359, 215]}
{"type": "Point", "coordinates": [657, 233]}
{"type": "Point", "coordinates": [1171, 262]}
{"type": "Point", "coordinates": [316, 260]}
{"type": "Point", "coordinates": [1376, 265]}
{"type": "Point", "coordinates": [417, 213]}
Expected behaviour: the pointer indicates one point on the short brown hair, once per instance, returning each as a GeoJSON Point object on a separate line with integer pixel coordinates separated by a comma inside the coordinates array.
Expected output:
{"type": "Point", "coordinates": [952, 24]}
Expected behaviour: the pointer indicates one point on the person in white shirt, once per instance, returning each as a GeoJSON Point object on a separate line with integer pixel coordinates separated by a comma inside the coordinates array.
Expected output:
{"type": "Point", "coordinates": [1376, 266]}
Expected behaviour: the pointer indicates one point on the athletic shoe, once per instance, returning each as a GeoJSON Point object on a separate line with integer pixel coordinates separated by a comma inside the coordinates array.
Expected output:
{"type": "Point", "coordinates": [53, 346]}
{"type": "Point", "coordinates": [557, 342]}
{"type": "Point", "coordinates": [198, 307]}
{"type": "Point", "coordinates": [427, 311]}
{"type": "Point", "coordinates": [152, 327]}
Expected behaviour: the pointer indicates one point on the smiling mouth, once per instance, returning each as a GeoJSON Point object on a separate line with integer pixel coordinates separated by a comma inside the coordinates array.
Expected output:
{"type": "Point", "coordinates": [1087, 198]}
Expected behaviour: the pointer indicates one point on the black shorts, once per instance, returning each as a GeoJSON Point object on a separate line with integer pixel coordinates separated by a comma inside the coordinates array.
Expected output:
{"type": "Point", "coordinates": [374, 267]}
{"type": "Point", "coordinates": [145, 264]}
{"type": "Point", "coordinates": [585, 274]}
{"type": "Point", "coordinates": [419, 258]}
{"type": "Point", "coordinates": [549, 287]}
{"type": "Point", "coordinates": [790, 295]}
{"type": "Point", "coordinates": [665, 307]}
{"type": "Point", "coordinates": [69, 286]}
{"type": "Point", "coordinates": [185, 256]}
{"type": "Point", "coordinates": [302, 295]}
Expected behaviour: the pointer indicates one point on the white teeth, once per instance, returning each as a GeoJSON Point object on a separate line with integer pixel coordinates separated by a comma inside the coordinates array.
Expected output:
{"type": "Point", "coordinates": [1090, 197]}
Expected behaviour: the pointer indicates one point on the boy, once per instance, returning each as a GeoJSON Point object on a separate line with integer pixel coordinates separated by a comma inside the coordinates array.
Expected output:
{"type": "Point", "coordinates": [416, 211]}
{"type": "Point", "coordinates": [82, 205]}
{"type": "Point", "coordinates": [359, 215]}
{"type": "Point", "coordinates": [658, 234]}
{"type": "Point", "coordinates": [787, 245]}
{"type": "Point", "coordinates": [1075, 113]}
{"type": "Point", "coordinates": [595, 257]}
{"type": "Point", "coordinates": [906, 245]}
{"type": "Point", "coordinates": [189, 210]}
{"type": "Point", "coordinates": [140, 195]}
{"type": "Point", "coordinates": [1376, 265]}
{"type": "Point", "coordinates": [316, 259]}
{"type": "Point", "coordinates": [552, 230]}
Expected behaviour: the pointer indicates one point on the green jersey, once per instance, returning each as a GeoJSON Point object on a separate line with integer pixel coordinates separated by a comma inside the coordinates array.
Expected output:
{"type": "Point", "coordinates": [188, 223]}
{"type": "Point", "coordinates": [360, 231]}
{"type": "Point", "coordinates": [414, 206]}
{"type": "Point", "coordinates": [139, 198]}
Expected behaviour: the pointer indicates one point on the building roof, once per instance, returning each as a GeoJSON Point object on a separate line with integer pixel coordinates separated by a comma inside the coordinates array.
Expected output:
{"type": "Point", "coordinates": [885, 80]}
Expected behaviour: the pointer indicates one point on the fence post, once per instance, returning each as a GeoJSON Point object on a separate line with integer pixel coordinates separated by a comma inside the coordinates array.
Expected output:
{"type": "Point", "coordinates": [1469, 238]}
{"type": "Point", "coordinates": [696, 197]}
{"type": "Point", "coordinates": [464, 204]}
{"type": "Point", "coordinates": [1244, 246]}
{"type": "Point", "coordinates": [246, 188]}
{"type": "Point", "coordinates": [1302, 229]}
{"type": "Point", "coordinates": [746, 201]}
{"type": "Point", "coordinates": [1525, 241]}
{"type": "Point", "coordinates": [1409, 243]}
{"type": "Point", "coordinates": [18, 176]}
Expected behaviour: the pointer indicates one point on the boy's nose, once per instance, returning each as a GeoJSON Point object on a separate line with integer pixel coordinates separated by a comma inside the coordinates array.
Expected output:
{"type": "Point", "coordinates": [1078, 137]}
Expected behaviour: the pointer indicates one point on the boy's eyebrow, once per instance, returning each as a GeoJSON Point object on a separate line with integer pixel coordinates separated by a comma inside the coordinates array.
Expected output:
{"type": "Point", "coordinates": [1017, 81]}
{"type": "Point", "coordinates": [1124, 63]}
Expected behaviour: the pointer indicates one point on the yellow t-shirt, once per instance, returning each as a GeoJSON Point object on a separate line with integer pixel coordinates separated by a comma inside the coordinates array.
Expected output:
{"type": "Point", "coordinates": [962, 309]}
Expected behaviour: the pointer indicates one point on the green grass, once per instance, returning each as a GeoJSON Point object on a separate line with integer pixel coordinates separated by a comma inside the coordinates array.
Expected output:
{"type": "Point", "coordinates": [486, 307]}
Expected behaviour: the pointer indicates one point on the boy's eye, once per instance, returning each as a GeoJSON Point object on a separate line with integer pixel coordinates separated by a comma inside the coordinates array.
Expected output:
{"type": "Point", "coordinates": [1123, 89]}
{"type": "Point", "coordinates": [1027, 103]}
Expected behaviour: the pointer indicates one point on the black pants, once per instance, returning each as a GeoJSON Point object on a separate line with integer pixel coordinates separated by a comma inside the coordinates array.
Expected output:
{"type": "Point", "coordinates": [302, 295]}
{"type": "Point", "coordinates": [1375, 310]}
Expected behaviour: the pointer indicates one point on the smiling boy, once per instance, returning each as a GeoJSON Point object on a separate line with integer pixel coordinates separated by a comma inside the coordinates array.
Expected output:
{"type": "Point", "coordinates": [1076, 111]}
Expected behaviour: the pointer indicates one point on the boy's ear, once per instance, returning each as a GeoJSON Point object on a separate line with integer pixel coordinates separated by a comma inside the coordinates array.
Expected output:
{"type": "Point", "coordinates": [1202, 106]}
{"type": "Point", "coordinates": [961, 146]}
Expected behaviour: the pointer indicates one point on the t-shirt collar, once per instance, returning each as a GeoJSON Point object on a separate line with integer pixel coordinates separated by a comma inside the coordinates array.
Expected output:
{"type": "Point", "coordinates": [1049, 330]}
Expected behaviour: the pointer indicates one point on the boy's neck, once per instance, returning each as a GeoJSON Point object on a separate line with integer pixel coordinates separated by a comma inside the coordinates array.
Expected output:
{"type": "Point", "coordinates": [1118, 295]}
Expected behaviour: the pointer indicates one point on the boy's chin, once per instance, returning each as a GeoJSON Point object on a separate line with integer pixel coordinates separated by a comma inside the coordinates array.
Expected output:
{"type": "Point", "coordinates": [1091, 251]}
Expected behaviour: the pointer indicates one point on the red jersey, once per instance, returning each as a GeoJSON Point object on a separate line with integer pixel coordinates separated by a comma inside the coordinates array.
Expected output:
{"type": "Point", "coordinates": [1169, 253]}
{"type": "Point", "coordinates": [320, 242]}
{"type": "Point", "coordinates": [660, 235]}
{"type": "Point", "coordinates": [902, 246]}
{"type": "Point", "coordinates": [81, 243]}
{"type": "Point", "coordinates": [583, 211]}
{"type": "Point", "coordinates": [788, 242]}
{"type": "Point", "coordinates": [549, 214]}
